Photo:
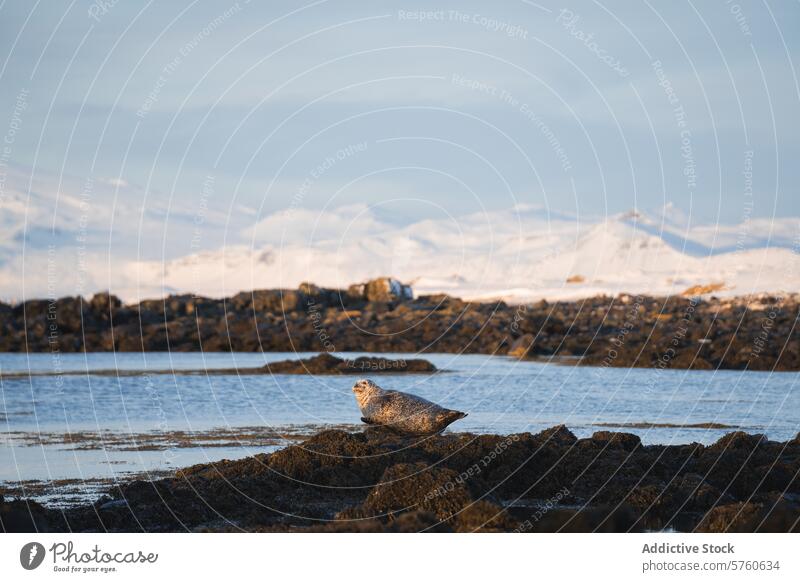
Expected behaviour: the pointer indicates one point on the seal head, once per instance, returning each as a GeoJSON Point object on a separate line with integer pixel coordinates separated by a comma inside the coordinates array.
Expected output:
{"type": "Point", "coordinates": [400, 411]}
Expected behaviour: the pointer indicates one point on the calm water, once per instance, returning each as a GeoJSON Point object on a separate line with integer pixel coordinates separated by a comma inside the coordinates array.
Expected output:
{"type": "Point", "coordinates": [501, 395]}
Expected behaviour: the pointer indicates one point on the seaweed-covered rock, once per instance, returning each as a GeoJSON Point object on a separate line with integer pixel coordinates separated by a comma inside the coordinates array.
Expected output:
{"type": "Point", "coordinates": [560, 435]}
{"type": "Point", "coordinates": [484, 516]}
{"type": "Point", "coordinates": [405, 487]}
{"type": "Point", "coordinates": [331, 458]}
{"type": "Point", "coordinates": [738, 441]}
{"type": "Point", "coordinates": [622, 440]}
{"type": "Point", "coordinates": [732, 518]}
{"type": "Point", "coordinates": [329, 364]}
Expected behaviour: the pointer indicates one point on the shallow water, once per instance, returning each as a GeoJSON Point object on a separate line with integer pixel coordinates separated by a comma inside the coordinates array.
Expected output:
{"type": "Point", "coordinates": [501, 395]}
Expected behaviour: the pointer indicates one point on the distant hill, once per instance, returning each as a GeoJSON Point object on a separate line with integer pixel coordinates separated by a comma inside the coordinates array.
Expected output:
{"type": "Point", "coordinates": [517, 255]}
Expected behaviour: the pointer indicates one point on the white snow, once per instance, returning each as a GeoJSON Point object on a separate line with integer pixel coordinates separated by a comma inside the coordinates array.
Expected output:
{"type": "Point", "coordinates": [519, 254]}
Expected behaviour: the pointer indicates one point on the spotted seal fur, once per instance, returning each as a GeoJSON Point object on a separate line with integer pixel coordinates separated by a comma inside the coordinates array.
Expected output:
{"type": "Point", "coordinates": [401, 411]}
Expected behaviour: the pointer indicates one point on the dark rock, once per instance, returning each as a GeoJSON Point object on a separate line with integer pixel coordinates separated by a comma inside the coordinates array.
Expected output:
{"type": "Point", "coordinates": [731, 518]}
{"type": "Point", "coordinates": [113, 504]}
{"type": "Point", "coordinates": [557, 435]}
{"type": "Point", "coordinates": [404, 487]}
{"type": "Point", "coordinates": [622, 440]}
{"type": "Point", "coordinates": [355, 521]}
{"type": "Point", "coordinates": [307, 288]}
{"type": "Point", "coordinates": [23, 517]}
{"type": "Point", "coordinates": [608, 519]}
{"type": "Point", "coordinates": [104, 303]}
{"type": "Point", "coordinates": [483, 516]}
{"type": "Point", "coordinates": [329, 364]}
{"type": "Point", "coordinates": [738, 441]}
{"type": "Point", "coordinates": [696, 494]}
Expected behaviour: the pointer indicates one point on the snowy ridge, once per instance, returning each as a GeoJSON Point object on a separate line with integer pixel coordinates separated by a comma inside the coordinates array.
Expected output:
{"type": "Point", "coordinates": [519, 254]}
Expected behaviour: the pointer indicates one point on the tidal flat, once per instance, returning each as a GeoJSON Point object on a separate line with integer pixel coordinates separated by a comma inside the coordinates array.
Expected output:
{"type": "Point", "coordinates": [77, 439]}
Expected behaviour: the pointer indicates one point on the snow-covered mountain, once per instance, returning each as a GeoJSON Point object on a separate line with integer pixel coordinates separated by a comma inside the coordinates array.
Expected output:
{"type": "Point", "coordinates": [520, 254]}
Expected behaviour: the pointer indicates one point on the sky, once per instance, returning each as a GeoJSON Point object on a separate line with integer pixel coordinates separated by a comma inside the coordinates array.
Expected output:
{"type": "Point", "coordinates": [157, 130]}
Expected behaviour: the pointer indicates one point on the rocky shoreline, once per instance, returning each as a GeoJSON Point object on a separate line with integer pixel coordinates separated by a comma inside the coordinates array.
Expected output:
{"type": "Point", "coordinates": [375, 481]}
{"type": "Point", "coordinates": [754, 333]}
{"type": "Point", "coordinates": [320, 365]}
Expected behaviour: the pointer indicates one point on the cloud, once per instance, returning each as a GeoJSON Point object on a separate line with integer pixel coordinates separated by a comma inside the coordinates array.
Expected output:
{"type": "Point", "coordinates": [327, 226]}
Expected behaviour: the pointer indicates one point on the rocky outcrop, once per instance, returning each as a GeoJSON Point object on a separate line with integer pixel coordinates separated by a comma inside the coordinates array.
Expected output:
{"type": "Point", "coordinates": [382, 290]}
{"type": "Point", "coordinates": [376, 480]}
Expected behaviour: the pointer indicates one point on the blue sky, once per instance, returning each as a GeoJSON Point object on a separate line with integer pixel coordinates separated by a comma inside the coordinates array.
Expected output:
{"type": "Point", "coordinates": [582, 107]}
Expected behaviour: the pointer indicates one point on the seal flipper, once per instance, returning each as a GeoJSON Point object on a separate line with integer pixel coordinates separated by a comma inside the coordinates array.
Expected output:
{"type": "Point", "coordinates": [367, 421]}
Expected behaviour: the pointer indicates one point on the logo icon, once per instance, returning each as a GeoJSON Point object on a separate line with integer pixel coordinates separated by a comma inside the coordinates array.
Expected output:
{"type": "Point", "coordinates": [31, 555]}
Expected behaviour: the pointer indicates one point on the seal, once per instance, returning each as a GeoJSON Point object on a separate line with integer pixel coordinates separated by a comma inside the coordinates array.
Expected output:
{"type": "Point", "coordinates": [400, 411]}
